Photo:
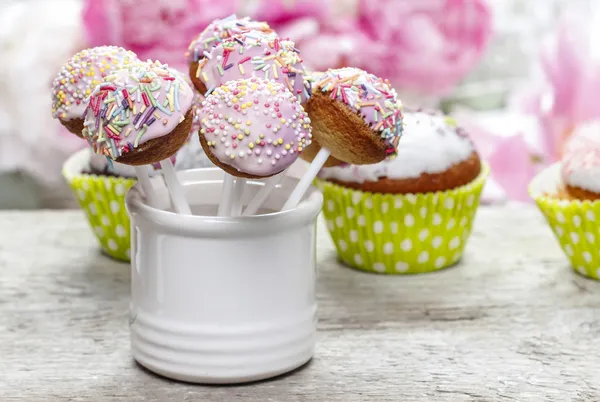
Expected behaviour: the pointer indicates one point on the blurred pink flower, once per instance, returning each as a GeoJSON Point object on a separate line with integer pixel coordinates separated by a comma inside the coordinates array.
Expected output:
{"type": "Point", "coordinates": [568, 97]}
{"type": "Point", "coordinates": [511, 159]}
{"type": "Point", "coordinates": [323, 44]}
{"type": "Point", "coordinates": [425, 46]}
{"type": "Point", "coordinates": [153, 29]}
{"type": "Point", "coordinates": [278, 12]}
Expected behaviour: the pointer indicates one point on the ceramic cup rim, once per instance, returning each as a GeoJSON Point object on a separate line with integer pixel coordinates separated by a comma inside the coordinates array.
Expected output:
{"type": "Point", "coordinates": [305, 213]}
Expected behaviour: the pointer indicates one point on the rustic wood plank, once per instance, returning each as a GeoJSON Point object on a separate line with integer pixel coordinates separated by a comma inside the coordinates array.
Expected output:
{"type": "Point", "coordinates": [511, 322]}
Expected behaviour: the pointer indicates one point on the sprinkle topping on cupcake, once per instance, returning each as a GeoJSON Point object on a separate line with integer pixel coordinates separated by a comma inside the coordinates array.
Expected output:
{"type": "Point", "coordinates": [255, 54]}
{"type": "Point", "coordinates": [372, 97]}
{"type": "Point", "coordinates": [79, 77]}
{"type": "Point", "coordinates": [256, 126]}
{"type": "Point", "coordinates": [218, 31]}
{"type": "Point", "coordinates": [135, 105]}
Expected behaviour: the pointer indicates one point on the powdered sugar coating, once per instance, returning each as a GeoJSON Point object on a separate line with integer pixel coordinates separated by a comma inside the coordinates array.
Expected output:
{"type": "Point", "coordinates": [256, 126]}
{"type": "Point", "coordinates": [81, 75]}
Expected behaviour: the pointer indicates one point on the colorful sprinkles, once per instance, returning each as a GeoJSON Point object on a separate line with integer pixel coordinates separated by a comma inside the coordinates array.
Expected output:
{"type": "Point", "coordinates": [220, 30]}
{"type": "Point", "coordinates": [372, 97]}
{"type": "Point", "coordinates": [79, 77]}
{"type": "Point", "coordinates": [254, 125]}
{"type": "Point", "coordinates": [255, 54]}
{"type": "Point", "coordinates": [134, 105]}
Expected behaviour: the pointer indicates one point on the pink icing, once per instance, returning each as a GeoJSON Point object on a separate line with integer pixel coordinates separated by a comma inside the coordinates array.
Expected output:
{"type": "Point", "coordinates": [256, 126]}
{"type": "Point", "coordinates": [135, 105]}
{"type": "Point", "coordinates": [255, 54]}
{"type": "Point", "coordinates": [220, 30]}
{"type": "Point", "coordinates": [81, 74]}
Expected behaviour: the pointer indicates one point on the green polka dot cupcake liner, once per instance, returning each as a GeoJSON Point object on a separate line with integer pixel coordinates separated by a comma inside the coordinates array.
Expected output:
{"type": "Point", "coordinates": [102, 198]}
{"type": "Point", "coordinates": [575, 223]}
{"type": "Point", "coordinates": [400, 233]}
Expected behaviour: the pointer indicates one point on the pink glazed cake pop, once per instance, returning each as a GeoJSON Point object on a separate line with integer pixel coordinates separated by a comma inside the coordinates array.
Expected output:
{"type": "Point", "coordinates": [253, 128]}
{"type": "Point", "coordinates": [254, 54]}
{"type": "Point", "coordinates": [140, 115]}
{"type": "Point", "coordinates": [79, 77]}
{"type": "Point", "coordinates": [216, 33]}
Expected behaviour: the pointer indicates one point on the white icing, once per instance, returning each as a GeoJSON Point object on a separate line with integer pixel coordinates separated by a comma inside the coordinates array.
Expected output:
{"type": "Point", "coordinates": [429, 144]}
{"type": "Point", "coordinates": [581, 164]}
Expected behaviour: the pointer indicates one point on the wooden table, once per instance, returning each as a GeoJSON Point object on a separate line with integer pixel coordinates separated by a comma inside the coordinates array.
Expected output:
{"type": "Point", "coordinates": [511, 322]}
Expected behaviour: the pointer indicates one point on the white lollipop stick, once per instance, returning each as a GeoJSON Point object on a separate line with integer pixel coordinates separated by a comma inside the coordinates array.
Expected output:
{"type": "Point", "coordinates": [175, 190]}
{"type": "Point", "coordinates": [143, 174]}
{"type": "Point", "coordinates": [307, 179]}
{"type": "Point", "coordinates": [262, 194]}
{"type": "Point", "coordinates": [226, 196]}
{"type": "Point", "coordinates": [238, 194]}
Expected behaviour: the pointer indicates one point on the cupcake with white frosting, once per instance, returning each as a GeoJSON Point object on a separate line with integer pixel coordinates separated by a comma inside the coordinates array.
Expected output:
{"type": "Point", "coordinates": [568, 194]}
{"type": "Point", "coordinates": [410, 214]}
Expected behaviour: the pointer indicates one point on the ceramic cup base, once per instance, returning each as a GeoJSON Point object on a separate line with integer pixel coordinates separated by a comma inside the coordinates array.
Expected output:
{"type": "Point", "coordinates": [222, 300]}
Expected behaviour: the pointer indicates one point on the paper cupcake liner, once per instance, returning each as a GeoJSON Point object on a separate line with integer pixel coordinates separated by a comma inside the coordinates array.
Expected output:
{"type": "Point", "coordinates": [401, 234]}
{"type": "Point", "coordinates": [574, 222]}
{"type": "Point", "coordinates": [102, 198]}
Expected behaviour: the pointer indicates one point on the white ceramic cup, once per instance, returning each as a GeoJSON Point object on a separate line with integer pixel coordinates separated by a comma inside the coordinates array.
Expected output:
{"type": "Point", "coordinates": [222, 300]}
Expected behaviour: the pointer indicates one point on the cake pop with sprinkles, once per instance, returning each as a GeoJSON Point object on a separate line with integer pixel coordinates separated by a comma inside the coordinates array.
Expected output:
{"type": "Point", "coordinates": [214, 34]}
{"type": "Point", "coordinates": [356, 116]}
{"type": "Point", "coordinates": [139, 115]}
{"type": "Point", "coordinates": [79, 77]}
{"type": "Point", "coordinates": [254, 54]}
{"type": "Point", "coordinates": [253, 128]}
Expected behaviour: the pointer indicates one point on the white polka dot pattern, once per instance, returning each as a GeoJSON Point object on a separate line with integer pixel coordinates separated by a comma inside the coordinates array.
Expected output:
{"type": "Point", "coordinates": [575, 226]}
{"type": "Point", "coordinates": [103, 200]}
{"type": "Point", "coordinates": [393, 234]}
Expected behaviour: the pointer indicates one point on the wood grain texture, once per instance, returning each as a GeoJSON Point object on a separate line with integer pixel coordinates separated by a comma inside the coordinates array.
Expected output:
{"type": "Point", "coordinates": [510, 323]}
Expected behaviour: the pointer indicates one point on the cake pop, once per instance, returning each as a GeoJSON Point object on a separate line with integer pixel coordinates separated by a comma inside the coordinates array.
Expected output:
{"type": "Point", "coordinates": [254, 54]}
{"type": "Point", "coordinates": [214, 34]}
{"type": "Point", "coordinates": [139, 115]}
{"type": "Point", "coordinates": [79, 77]}
{"type": "Point", "coordinates": [356, 116]}
{"type": "Point", "coordinates": [253, 128]}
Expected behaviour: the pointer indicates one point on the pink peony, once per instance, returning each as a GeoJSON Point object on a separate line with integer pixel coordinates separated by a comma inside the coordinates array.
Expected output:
{"type": "Point", "coordinates": [567, 97]}
{"type": "Point", "coordinates": [424, 46]}
{"type": "Point", "coordinates": [153, 29]}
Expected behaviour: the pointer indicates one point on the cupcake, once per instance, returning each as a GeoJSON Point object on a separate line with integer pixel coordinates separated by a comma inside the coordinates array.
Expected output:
{"type": "Point", "coordinates": [410, 214]}
{"type": "Point", "coordinates": [568, 195]}
{"type": "Point", "coordinates": [100, 186]}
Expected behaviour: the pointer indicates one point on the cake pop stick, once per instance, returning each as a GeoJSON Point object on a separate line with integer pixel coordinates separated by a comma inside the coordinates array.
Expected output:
{"type": "Point", "coordinates": [226, 195]}
{"type": "Point", "coordinates": [238, 194]}
{"type": "Point", "coordinates": [263, 194]}
{"type": "Point", "coordinates": [175, 189]}
{"type": "Point", "coordinates": [144, 179]}
{"type": "Point", "coordinates": [306, 180]}
{"type": "Point", "coordinates": [357, 119]}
